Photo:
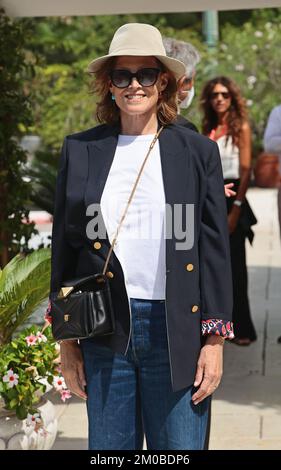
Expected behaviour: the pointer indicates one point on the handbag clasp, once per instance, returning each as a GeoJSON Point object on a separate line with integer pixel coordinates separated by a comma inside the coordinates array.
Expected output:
{"type": "Point", "coordinates": [64, 292]}
{"type": "Point", "coordinates": [66, 317]}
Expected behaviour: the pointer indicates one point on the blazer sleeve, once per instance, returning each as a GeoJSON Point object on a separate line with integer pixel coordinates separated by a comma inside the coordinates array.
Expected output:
{"type": "Point", "coordinates": [62, 254]}
{"type": "Point", "coordinates": [215, 263]}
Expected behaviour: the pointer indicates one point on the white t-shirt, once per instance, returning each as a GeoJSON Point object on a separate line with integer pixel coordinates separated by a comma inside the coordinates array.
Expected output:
{"type": "Point", "coordinates": [229, 154]}
{"type": "Point", "coordinates": [140, 245]}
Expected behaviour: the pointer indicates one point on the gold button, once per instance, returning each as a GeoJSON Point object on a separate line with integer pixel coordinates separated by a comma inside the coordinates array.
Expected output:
{"type": "Point", "coordinates": [97, 245]}
{"type": "Point", "coordinates": [195, 308]}
{"type": "Point", "coordinates": [189, 267]}
{"type": "Point", "coordinates": [109, 274]}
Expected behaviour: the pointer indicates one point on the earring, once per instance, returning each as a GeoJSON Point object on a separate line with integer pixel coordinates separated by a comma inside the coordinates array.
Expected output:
{"type": "Point", "coordinates": [113, 97]}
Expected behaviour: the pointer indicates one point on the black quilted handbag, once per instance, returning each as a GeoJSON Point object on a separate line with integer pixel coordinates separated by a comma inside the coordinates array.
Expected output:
{"type": "Point", "coordinates": [83, 309]}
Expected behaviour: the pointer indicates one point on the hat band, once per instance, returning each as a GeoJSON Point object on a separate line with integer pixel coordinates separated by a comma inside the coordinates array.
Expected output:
{"type": "Point", "coordinates": [136, 51]}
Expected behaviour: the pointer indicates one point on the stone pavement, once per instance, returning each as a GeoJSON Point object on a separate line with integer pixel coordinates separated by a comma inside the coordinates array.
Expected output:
{"type": "Point", "coordinates": [246, 411]}
{"type": "Point", "coordinates": [247, 406]}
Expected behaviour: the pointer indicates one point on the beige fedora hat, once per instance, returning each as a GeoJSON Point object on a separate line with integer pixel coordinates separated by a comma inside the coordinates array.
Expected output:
{"type": "Point", "coordinates": [137, 39]}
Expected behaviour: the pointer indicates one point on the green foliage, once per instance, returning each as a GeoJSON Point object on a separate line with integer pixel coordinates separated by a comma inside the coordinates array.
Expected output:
{"type": "Point", "coordinates": [15, 117]}
{"type": "Point", "coordinates": [28, 364]}
{"type": "Point", "coordinates": [42, 173]}
{"type": "Point", "coordinates": [60, 88]}
{"type": "Point", "coordinates": [250, 56]}
{"type": "Point", "coordinates": [64, 46]}
{"type": "Point", "coordinates": [24, 283]}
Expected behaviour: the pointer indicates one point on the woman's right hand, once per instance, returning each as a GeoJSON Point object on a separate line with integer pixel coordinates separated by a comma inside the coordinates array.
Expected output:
{"type": "Point", "coordinates": [72, 367]}
{"type": "Point", "coordinates": [228, 191]}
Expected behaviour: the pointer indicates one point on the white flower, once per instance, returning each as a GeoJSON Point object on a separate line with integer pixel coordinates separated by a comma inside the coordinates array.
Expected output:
{"type": "Point", "coordinates": [239, 67]}
{"type": "Point", "coordinates": [249, 102]}
{"type": "Point", "coordinates": [224, 47]}
{"type": "Point", "coordinates": [65, 395]}
{"type": "Point", "coordinates": [59, 383]}
{"type": "Point", "coordinates": [32, 420]}
{"type": "Point", "coordinates": [251, 80]}
{"type": "Point", "coordinates": [31, 340]}
{"type": "Point", "coordinates": [268, 25]}
{"type": "Point", "coordinates": [258, 34]}
{"type": "Point", "coordinates": [11, 378]}
{"type": "Point", "coordinates": [254, 47]}
{"type": "Point", "coordinates": [41, 337]}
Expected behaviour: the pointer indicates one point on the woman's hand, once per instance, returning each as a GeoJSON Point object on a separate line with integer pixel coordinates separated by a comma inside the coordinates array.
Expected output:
{"type": "Point", "coordinates": [228, 191]}
{"type": "Point", "coordinates": [72, 367]}
{"type": "Point", "coordinates": [209, 368]}
{"type": "Point", "coordinates": [233, 218]}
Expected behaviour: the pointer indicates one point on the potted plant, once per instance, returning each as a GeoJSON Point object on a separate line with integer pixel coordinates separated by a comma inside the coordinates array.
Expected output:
{"type": "Point", "coordinates": [27, 369]}
{"type": "Point", "coordinates": [28, 365]}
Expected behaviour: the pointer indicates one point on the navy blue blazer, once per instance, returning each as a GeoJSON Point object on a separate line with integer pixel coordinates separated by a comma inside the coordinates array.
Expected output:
{"type": "Point", "coordinates": [198, 279]}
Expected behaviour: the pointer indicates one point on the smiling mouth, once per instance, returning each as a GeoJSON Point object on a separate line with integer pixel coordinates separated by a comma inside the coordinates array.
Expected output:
{"type": "Point", "coordinates": [131, 97]}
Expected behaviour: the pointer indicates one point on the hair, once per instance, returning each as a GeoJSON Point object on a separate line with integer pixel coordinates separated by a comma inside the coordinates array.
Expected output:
{"type": "Point", "coordinates": [237, 114]}
{"type": "Point", "coordinates": [183, 51]}
{"type": "Point", "coordinates": [108, 112]}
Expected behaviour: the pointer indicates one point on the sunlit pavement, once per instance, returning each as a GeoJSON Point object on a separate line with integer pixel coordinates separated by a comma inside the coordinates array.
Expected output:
{"type": "Point", "coordinates": [247, 406]}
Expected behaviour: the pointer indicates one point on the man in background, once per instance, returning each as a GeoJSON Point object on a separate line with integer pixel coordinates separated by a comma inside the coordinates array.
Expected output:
{"type": "Point", "coordinates": [272, 144]}
{"type": "Point", "coordinates": [186, 53]}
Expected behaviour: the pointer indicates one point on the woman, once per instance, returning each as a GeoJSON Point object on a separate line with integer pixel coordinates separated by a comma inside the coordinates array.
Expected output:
{"type": "Point", "coordinates": [171, 289]}
{"type": "Point", "coordinates": [225, 121]}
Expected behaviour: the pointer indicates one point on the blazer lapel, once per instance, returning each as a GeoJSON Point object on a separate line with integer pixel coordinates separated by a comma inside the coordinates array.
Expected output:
{"type": "Point", "coordinates": [178, 184]}
{"type": "Point", "coordinates": [176, 171]}
{"type": "Point", "coordinates": [100, 157]}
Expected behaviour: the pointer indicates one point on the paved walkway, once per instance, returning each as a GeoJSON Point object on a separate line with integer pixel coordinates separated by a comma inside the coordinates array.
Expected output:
{"type": "Point", "coordinates": [247, 406]}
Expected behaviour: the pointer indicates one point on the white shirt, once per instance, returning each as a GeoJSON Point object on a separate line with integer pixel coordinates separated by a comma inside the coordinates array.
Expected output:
{"type": "Point", "coordinates": [272, 135]}
{"type": "Point", "coordinates": [229, 158]}
{"type": "Point", "coordinates": [140, 246]}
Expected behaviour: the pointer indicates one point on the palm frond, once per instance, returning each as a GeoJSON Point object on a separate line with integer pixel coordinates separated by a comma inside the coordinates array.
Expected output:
{"type": "Point", "coordinates": [24, 283]}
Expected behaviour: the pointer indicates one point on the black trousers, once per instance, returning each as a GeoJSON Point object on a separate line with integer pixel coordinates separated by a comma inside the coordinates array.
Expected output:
{"type": "Point", "coordinates": [242, 321]}
{"type": "Point", "coordinates": [241, 315]}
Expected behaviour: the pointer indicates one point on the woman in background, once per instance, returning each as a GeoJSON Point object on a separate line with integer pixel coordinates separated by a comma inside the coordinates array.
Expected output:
{"type": "Point", "coordinates": [225, 121]}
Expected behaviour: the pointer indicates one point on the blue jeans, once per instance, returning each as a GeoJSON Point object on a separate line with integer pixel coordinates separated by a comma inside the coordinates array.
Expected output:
{"type": "Point", "coordinates": [129, 396]}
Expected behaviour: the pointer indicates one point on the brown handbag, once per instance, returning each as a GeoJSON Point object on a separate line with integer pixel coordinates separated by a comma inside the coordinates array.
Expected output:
{"type": "Point", "coordinates": [266, 171]}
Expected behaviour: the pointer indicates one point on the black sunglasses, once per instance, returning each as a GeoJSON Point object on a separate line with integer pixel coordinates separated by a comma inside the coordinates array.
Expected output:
{"type": "Point", "coordinates": [123, 78]}
{"type": "Point", "coordinates": [224, 94]}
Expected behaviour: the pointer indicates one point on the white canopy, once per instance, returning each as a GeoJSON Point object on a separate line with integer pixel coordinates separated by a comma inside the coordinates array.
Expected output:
{"type": "Point", "coordinates": [110, 7]}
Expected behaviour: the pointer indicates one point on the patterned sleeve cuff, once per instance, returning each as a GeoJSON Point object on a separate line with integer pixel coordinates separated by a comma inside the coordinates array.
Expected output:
{"type": "Point", "coordinates": [222, 328]}
{"type": "Point", "coordinates": [47, 315]}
